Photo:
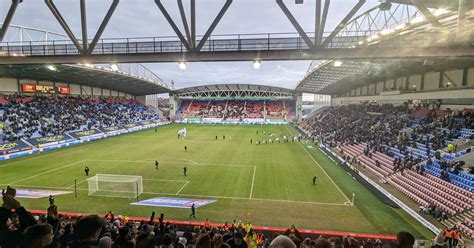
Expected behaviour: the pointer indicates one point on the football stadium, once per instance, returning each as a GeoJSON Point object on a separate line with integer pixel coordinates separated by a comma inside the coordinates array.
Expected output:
{"type": "Point", "coordinates": [237, 124]}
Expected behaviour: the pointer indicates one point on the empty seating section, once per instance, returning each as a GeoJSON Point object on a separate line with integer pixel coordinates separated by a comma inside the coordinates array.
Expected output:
{"type": "Point", "coordinates": [353, 150]}
{"type": "Point", "coordinates": [467, 227]}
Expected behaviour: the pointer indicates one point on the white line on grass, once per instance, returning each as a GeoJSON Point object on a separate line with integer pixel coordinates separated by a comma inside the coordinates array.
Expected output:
{"type": "Point", "coordinates": [203, 196]}
{"type": "Point", "coordinates": [46, 155]}
{"type": "Point", "coordinates": [77, 183]}
{"type": "Point", "coordinates": [316, 162]}
{"type": "Point", "coordinates": [177, 193]}
{"type": "Point", "coordinates": [46, 172]}
{"type": "Point", "coordinates": [161, 180]}
{"type": "Point", "coordinates": [253, 181]}
{"type": "Point", "coordinates": [143, 161]}
{"type": "Point", "coordinates": [166, 180]}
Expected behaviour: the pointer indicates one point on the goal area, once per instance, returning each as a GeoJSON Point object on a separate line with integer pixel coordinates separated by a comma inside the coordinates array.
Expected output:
{"type": "Point", "coordinates": [110, 185]}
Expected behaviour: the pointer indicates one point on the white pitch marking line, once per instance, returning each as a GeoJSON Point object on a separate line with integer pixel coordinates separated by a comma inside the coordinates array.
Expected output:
{"type": "Point", "coordinates": [161, 180]}
{"type": "Point", "coordinates": [253, 181]}
{"type": "Point", "coordinates": [166, 180]}
{"type": "Point", "coordinates": [316, 162]}
{"type": "Point", "coordinates": [77, 183]}
{"type": "Point", "coordinates": [204, 196]}
{"type": "Point", "coordinates": [179, 191]}
{"type": "Point", "coordinates": [46, 172]}
{"type": "Point", "coordinates": [46, 155]}
{"type": "Point", "coordinates": [143, 161]}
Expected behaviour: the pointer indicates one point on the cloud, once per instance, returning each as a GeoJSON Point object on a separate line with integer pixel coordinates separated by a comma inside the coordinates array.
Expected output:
{"type": "Point", "coordinates": [142, 18]}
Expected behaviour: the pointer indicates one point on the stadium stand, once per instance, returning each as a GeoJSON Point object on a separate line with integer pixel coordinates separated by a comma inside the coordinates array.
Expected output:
{"type": "Point", "coordinates": [237, 109]}
{"type": "Point", "coordinates": [39, 116]}
{"type": "Point", "coordinates": [414, 150]}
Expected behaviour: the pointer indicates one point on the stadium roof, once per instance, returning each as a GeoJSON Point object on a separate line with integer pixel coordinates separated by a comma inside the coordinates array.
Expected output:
{"type": "Point", "coordinates": [328, 77]}
{"type": "Point", "coordinates": [233, 87]}
{"type": "Point", "coordinates": [87, 75]}
{"type": "Point", "coordinates": [446, 4]}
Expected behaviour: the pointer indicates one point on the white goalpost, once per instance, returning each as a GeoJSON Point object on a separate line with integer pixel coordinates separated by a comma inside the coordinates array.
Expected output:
{"type": "Point", "coordinates": [115, 185]}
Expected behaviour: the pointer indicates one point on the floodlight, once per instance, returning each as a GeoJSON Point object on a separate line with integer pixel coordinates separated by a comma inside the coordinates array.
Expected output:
{"type": "Point", "coordinates": [114, 67]}
{"type": "Point", "coordinates": [337, 63]}
{"type": "Point", "coordinates": [257, 64]}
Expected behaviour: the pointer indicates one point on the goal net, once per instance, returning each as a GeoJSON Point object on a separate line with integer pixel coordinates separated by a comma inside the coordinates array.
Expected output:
{"type": "Point", "coordinates": [115, 185]}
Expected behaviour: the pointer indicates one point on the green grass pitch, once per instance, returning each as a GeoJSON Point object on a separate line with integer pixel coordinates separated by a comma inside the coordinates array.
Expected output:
{"type": "Point", "coordinates": [265, 184]}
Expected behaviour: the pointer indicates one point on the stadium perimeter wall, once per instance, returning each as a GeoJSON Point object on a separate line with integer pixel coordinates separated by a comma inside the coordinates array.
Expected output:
{"type": "Point", "coordinates": [13, 86]}
{"type": "Point", "coordinates": [427, 81]}
{"type": "Point", "coordinates": [454, 98]}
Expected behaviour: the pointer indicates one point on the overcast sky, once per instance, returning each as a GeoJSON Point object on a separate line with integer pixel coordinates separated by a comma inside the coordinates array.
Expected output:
{"type": "Point", "coordinates": [142, 18]}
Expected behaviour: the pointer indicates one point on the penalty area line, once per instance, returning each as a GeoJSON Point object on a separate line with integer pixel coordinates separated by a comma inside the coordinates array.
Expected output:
{"type": "Point", "coordinates": [179, 191]}
{"type": "Point", "coordinates": [203, 196]}
{"type": "Point", "coordinates": [49, 171]}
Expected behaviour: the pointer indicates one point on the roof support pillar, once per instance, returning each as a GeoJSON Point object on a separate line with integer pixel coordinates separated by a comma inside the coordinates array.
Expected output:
{"type": "Point", "coordinates": [426, 12]}
{"type": "Point", "coordinates": [295, 24]}
{"type": "Point", "coordinates": [213, 25]}
{"type": "Point", "coordinates": [8, 18]}
{"type": "Point", "coordinates": [343, 23]}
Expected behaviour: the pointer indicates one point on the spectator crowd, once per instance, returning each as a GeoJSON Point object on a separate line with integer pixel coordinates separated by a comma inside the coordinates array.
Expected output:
{"type": "Point", "coordinates": [38, 116]}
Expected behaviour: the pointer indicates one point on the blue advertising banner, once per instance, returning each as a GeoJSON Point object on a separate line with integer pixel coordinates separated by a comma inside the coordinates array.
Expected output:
{"type": "Point", "coordinates": [173, 202]}
{"type": "Point", "coordinates": [14, 146]}
{"type": "Point", "coordinates": [38, 193]}
{"type": "Point", "coordinates": [51, 140]}
{"type": "Point", "coordinates": [85, 133]}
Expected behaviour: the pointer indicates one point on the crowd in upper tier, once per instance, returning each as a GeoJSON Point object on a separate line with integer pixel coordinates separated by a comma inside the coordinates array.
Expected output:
{"type": "Point", "coordinates": [236, 109]}
{"type": "Point", "coordinates": [31, 117]}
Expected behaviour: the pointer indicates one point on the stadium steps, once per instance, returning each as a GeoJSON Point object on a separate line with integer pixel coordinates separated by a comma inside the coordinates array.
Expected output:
{"type": "Point", "coordinates": [458, 218]}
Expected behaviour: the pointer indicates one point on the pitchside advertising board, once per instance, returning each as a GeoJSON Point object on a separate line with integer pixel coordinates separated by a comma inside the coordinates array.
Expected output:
{"type": "Point", "coordinates": [14, 146]}
{"type": "Point", "coordinates": [85, 133]}
{"type": "Point", "coordinates": [45, 89]}
{"type": "Point", "coordinates": [51, 140]}
{"type": "Point", "coordinates": [113, 129]}
{"type": "Point", "coordinates": [132, 126]}
{"type": "Point", "coordinates": [146, 123]}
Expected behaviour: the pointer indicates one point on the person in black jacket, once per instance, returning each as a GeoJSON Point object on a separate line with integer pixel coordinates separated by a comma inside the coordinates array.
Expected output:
{"type": "Point", "coordinates": [10, 229]}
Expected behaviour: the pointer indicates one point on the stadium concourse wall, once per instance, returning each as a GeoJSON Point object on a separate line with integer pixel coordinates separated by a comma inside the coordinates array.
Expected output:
{"type": "Point", "coordinates": [23, 148]}
{"type": "Point", "coordinates": [454, 98]}
{"type": "Point", "coordinates": [374, 187]}
{"type": "Point", "coordinates": [13, 86]}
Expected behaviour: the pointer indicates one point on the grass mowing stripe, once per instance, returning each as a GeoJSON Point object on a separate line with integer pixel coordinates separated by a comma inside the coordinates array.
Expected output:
{"type": "Point", "coordinates": [46, 172]}
{"type": "Point", "coordinates": [279, 186]}
{"type": "Point", "coordinates": [316, 162]}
